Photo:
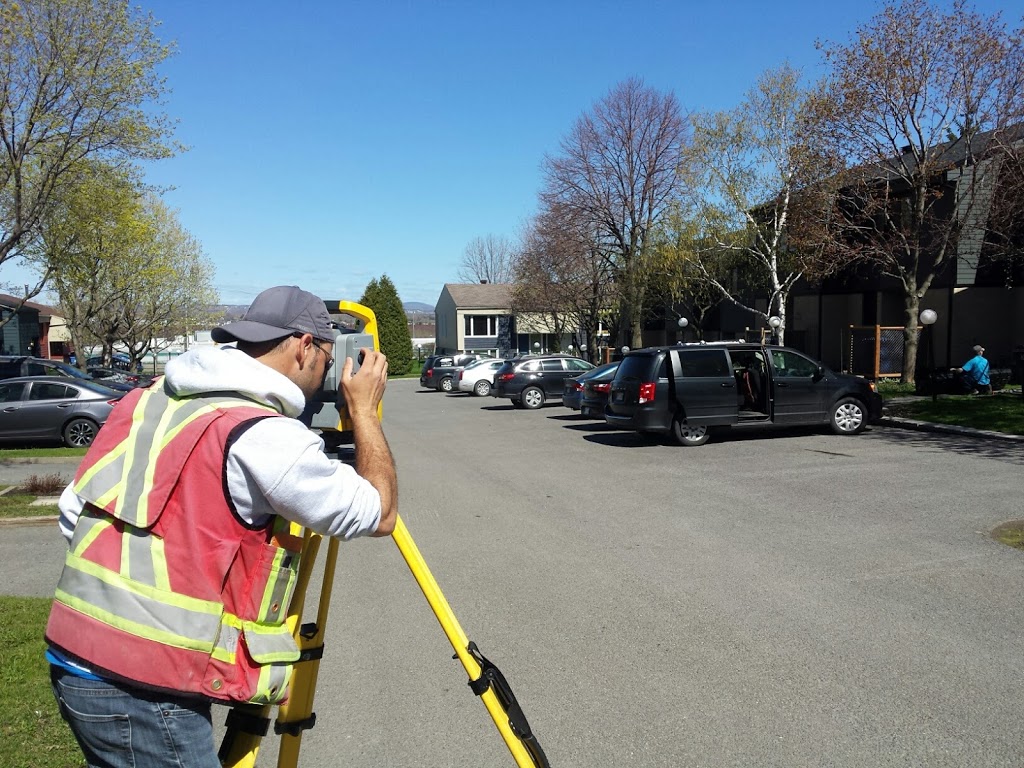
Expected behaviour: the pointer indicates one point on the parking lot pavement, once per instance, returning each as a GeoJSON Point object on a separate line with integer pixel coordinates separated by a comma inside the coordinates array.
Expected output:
{"type": "Point", "coordinates": [793, 599]}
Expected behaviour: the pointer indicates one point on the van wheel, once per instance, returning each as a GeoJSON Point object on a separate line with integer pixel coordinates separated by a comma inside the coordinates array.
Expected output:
{"type": "Point", "coordinates": [848, 417]}
{"type": "Point", "coordinates": [687, 434]}
{"type": "Point", "coordinates": [482, 388]}
{"type": "Point", "coordinates": [447, 385]}
{"type": "Point", "coordinates": [79, 433]}
{"type": "Point", "coordinates": [532, 398]}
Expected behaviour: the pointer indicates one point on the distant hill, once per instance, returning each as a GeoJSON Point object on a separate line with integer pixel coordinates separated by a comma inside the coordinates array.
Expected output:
{"type": "Point", "coordinates": [417, 306]}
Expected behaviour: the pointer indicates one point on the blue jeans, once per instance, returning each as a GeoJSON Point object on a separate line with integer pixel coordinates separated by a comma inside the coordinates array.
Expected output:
{"type": "Point", "coordinates": [120, 727]}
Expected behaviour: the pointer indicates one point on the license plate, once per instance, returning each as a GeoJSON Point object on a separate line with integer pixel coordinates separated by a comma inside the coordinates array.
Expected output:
{"type": "Point", "coordinates": [618, 397]}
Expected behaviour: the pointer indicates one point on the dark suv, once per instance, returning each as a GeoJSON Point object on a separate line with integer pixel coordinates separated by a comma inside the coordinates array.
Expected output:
{"type": "Point", "coordinates": [532, 379]}
{"type": "Point", "coordinates": [12, 366]}
{"type": "Point", "coordinates": [688, 389]}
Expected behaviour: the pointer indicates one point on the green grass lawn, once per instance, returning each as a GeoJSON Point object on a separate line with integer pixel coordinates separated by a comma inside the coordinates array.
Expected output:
{"type": "Point", "coordinates": [20, 505]}
{"type": "Point", "coordinates": [33, 734]}
{"type": "Point", "coordinates": [1003, 412]}
{"type": "Point", "coordinates": [29, 452]}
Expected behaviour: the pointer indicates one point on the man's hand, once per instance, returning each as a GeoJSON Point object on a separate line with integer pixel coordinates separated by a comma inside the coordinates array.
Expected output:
{"type": "Point", "coordinates": [364, 390]}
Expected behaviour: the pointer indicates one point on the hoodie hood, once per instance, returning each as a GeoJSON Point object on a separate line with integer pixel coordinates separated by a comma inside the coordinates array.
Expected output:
{"type": "Point", "coordinates": [205, 370]}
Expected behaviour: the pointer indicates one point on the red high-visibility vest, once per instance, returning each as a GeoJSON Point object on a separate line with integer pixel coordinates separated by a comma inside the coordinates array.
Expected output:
{"type": "Point", "coordinates": [164, 586]}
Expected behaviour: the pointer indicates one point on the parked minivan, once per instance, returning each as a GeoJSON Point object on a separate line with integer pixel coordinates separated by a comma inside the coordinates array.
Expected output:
{"type": "Point", "coordinates": [688, 389]}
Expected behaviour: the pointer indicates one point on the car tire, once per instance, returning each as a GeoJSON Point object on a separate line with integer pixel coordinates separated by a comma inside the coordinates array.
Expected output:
{"type": "Point", "coordinates": [532, 398]}
{"type": "Point", "coordinates": [447, 384]}
{"type": "Point", "coordinates": [688, 435]}
{"type": "Point", "coordinates": [482, 388]}
{"type": "Point", "coordinates": [849, 416]}
{"type": "Point", "coordinates": [79, 433]}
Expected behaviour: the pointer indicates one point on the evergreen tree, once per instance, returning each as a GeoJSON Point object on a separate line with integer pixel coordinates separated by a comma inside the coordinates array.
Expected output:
{"type": "Point", "coordinates": [392, 324]}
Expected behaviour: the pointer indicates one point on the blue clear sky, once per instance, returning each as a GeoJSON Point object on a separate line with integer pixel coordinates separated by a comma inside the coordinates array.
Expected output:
{"type": "Point", "coordinates": [333, 142]}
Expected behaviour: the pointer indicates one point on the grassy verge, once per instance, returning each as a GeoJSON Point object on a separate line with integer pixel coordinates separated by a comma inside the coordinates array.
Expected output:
{"type": "Point", "coordinates": [20, 505]}
{"type": "Point", "coordinates": [36, 453]}
{"type": "Point", "coordinates": [999, 413]}
{"type": "Point", "coordinates": [33, 734]}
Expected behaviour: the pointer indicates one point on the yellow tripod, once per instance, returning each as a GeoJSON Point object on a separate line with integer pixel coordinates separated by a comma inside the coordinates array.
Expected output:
{"type": "Point", "coordinates": [248, 724]}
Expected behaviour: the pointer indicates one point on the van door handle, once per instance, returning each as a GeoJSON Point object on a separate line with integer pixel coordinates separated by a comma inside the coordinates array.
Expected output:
{"type": "Point", "coordinates": [781, 384]}
{"type": "Point", "coordinates": [728, 385]}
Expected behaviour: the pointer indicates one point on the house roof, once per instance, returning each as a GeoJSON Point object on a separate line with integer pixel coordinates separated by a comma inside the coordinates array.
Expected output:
{"type": "Point", "coordinates": [44, 310]}
{"type": "Point", "coordinates": [480, 295]}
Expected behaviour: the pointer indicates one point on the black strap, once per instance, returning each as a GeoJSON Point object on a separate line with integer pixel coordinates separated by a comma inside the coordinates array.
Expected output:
{"type": "Point", "coordinates": [491, 678]}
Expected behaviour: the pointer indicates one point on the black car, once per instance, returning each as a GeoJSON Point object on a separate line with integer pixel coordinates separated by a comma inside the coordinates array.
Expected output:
{"type": "Point", "coordinates": [531, 380]}
{"type": "Point", "coordinates": [595, 393]}
{"type": "Point", "coordinates": [572, 392]}
{"type": "Point", "coordinates": [688, 389]}
{"type": "Point", "coordinates": [23, 365]}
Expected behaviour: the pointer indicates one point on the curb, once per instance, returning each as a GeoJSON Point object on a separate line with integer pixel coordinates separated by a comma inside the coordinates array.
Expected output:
{"type": "Point", "coordinates": [949, 429]}
{"type": "Point", "coordinates": [40, 520]}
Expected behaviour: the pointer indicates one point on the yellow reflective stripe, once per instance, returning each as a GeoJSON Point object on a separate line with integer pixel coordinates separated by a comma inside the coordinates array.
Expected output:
{"type": "Point", "coordinates": [88, 527]}
{"type": "Point", "coordinates": [161, 575]}
{"type": "Point", "coordinates": [227, 639]}
{"type": "Point", "coordinates": [272, 684]}
{"type": "Point", "coordinates": [110, 463]}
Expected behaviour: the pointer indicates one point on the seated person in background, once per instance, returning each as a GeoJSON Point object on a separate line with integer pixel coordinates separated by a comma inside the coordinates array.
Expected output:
{"type": "Point", "coordinates": [975, 372]}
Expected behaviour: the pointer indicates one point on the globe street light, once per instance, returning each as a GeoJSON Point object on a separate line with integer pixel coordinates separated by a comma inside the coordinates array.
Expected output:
{"type": "Point", "coordinates": [928, 318]}
{"type": "Point", "coordinates": [536, 347]}
{"type": "Point", "coordinates": [682, 322]}
{"type": "Point", "coordinates": [775, 322]}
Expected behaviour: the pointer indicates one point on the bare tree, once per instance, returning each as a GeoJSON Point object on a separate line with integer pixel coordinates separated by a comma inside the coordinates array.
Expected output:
{"type": "Point", "coordinates": [920, 103]}
{"type": "Point", "coordinates": [752, 167]}
{"type": "Point", "coordinates": [78, 80]}
{"type": "Point", "coordinates": [617, 171]}
{"type": "Point", "coordinates": [563, 275]}
{"type": "Point", "coordinates": [491, 258]}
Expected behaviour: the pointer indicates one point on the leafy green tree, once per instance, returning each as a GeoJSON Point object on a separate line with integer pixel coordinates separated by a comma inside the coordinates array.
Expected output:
{"type": "Point", "coordinates": [129, 273]}
{"type": "Point", "coordinates": [392, 324]}
{"type": "Point", "coordinates": [78, 82]}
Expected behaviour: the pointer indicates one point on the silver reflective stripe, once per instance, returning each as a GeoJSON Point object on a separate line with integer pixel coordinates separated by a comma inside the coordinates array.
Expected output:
{"type": "Point", "coordinates": [279, 588]}
{"type": "Point", "coordinates": [137, 556]}
{"type": "Point", "coordinates": [272, 685]}
{"type": "Point", "coordinates": [86, 530]}
{"type": "Point", "coordinates": [227, 642]}
{"type": "Point", "coordinates": [269, 644]}
{"type": "Point", "coordinates": [137, 608]}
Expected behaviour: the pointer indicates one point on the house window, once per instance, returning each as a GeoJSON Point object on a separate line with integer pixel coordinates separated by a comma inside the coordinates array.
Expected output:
{"type": "Point", "coordinates": [481, 325]}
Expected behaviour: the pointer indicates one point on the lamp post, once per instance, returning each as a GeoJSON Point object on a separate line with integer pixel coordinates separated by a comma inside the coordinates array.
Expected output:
{"type": "Point", "coordinates": [775, 322]}
{"type": "Point", "coordinates": [536, 347]}
{"type": "Point", "coordinates": [682, 322]}
{"type": "Point", "coordinates": [928, 318]}
{"type": "Point", "coordinates": [419, 349]}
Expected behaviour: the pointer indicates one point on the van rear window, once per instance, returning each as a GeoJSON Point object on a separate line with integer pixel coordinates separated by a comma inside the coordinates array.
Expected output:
{"type": "Point", "coordinates": [640, 367]}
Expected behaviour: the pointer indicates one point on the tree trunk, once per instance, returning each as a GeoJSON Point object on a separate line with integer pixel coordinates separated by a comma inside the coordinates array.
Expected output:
{"type": "Point", "coordinates": [910, 336]}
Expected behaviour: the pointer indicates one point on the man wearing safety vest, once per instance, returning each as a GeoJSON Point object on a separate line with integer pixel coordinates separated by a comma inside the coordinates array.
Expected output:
{"type": "Point", "coordinates": [180, 568]}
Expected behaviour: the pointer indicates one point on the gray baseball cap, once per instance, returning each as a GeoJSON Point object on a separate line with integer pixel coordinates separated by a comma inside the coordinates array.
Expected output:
{"type": "Point", "coordinates": [276, 313]}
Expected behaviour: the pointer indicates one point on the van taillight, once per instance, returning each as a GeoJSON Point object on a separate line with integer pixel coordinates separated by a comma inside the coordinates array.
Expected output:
{"type": "Point", "coordinates": [430, 371]}
{"type": "Point", "coordinates": [506, 377]}
{"type": "Point", "coordinates": [647, 392]}
{"type": "Point", "coordinates": [460, 375]}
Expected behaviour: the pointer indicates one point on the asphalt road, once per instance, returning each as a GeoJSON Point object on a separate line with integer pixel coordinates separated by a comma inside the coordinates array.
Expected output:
{"type": "Point", "coordinates": [798, 599]}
